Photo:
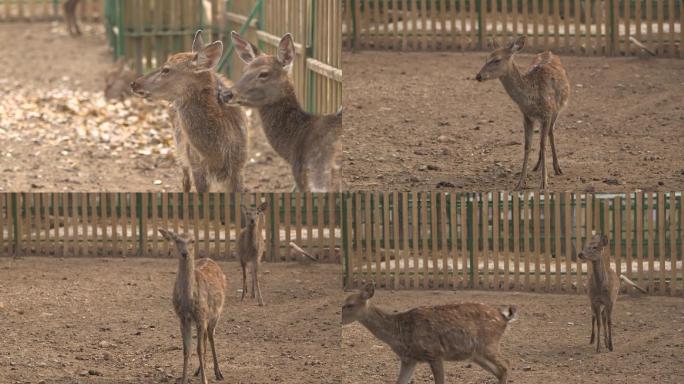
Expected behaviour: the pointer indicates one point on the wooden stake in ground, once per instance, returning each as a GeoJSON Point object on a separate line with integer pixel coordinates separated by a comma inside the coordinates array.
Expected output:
{"type": "Point", "coordinates": [640, 45]}
{"type": "Point", "coordinates": [300, 250]}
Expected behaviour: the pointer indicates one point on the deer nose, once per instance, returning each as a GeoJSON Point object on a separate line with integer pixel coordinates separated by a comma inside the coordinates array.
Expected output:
{"type": "Point", "coordinates": [478, 77]}
{"type": "Point", "coordinates": [226, 95]}
{"type": "Point", "coordinates": [184, 254]}
{"type": "Point", "coordinates": [580, 255]}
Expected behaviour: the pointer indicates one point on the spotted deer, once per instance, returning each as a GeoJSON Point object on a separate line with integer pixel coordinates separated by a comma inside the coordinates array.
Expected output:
{"type": "Point", "coordinates": [211, 137]}
{"type": "Point", "coordinates": [541, 93]}
{"type": "Point", "coordinates": [603, 287]}
{"type": "Point", "coordinates": [198, 297]}
{"type": "Point", "coordinates": [433, 334]}
{"type": "Point", "coordinates": [309, 143]}
{"type": "Point", "coordinates": [251, 248]}
{"type": "Point", "coordinates": [70, 17]}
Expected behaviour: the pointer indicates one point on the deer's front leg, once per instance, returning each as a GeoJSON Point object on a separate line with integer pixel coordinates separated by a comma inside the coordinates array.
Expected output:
{"type": "Point", "coordinates": [406, 371]}
{"type": "Point", "coordinates": [528, 142]}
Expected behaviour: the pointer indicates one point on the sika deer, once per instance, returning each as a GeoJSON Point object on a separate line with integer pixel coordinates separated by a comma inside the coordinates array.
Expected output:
{"type": "Point", "coordinates": [309, 143]}
{"type": "Point", "coordinates": [211, 137]}
{"type": "Point", "coordinates": [603, 288]}
{"type": "Point", "coordinates": [118, 80]}
{"type": "Point", "coordinates": [541, 94]}
{"type": "Point", "coordinates": [198, 297]}
{"type": "Point", "coordinates": [251, 248]}
{"type": "Point", "coordinates": [449, 332]}
{"type": "Point", "coordinates": [70, 17]}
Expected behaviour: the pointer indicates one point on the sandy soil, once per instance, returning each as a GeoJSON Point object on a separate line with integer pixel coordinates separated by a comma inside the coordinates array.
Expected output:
{"type": "Point", "coordinates": [420, 121]}
{"type": "Point", "coordinates": [40, 58]}
{"type": "Point", "coordinates": [549, 343]}
{"type": "Point", "coordinates": [60, 318]}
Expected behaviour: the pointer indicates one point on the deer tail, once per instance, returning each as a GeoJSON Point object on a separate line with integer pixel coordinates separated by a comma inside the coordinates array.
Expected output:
{"type": "Point", "coordinates": [509, 314]}
{"type": "Point", "coordinates": [630, 282]}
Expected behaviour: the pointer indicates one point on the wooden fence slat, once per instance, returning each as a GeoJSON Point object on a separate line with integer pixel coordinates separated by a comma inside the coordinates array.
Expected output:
{"type": "Point", "coordinates": [496, 200]}
{"type": "Point", "coordinates": [453, 221]}
{"type": "Point", "coordinates": [527, 242]}
{"type": "Point", "coordinates": [406, 279]}
{"type": "Point", "coordinates": [651, 199]}
{"type": "Point", "coordinates": [536, 222]}
{"type": "Point", "coordinates": [661, 241]}
{"type": "Point", "coordinates": [485, 240]}
{"type": "Point", "coordinates": [434, 248]}
{"type": "Point", "coordinates": [396, 224]}
{"type": "Point", "coordinates": [464, 241]}
{"type": "Point", "coordinates": [516, 239]}
{"type": "Point", "coordinates": [386, 238]}
{"type": "Point", "coordinates": [617, 220]}
{"type": "Point", "coordinates": [672, 225]}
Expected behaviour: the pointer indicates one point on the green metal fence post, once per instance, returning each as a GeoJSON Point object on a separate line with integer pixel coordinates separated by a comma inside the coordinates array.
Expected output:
{"type": "Point", "coordinates": [480, 28]}
{"type": "Point", "coordinates": [353, 15]}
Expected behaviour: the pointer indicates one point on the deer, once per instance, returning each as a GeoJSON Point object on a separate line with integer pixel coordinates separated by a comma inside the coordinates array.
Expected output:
{"type": "Point", "coordinates": [211, 137]}
{"type": "Point", "coordinates": [251, 248]}
{"type": "Point", "coordinates": [541, 93]}
{"type": "Point", "coordinates": [198, 297]}
{"type": "Point", "coordinates": [70, 17]}
{"type": "Point", "coordinates": [603, 287]}
{"type": "Point", "coordinates": [309, 143]}
{"type": "Point", "coordinates": [118, 80]}
{"type": "Point", "coordinates": [434, 334]}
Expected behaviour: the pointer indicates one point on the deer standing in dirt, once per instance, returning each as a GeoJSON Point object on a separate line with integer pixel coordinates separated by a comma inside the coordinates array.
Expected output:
{"type": "Point", "coordinates": [434, 334]}
{"type": "Point", "coordinates": [211, 137]}
{"type": "Point", "coordinates": [541, 94]}
{"type": "Point", "coordinates": [603, 287]}
{"type": "Point", "coordinates": [70, 17]}
{"type": "Point", "coordinates": [118, 80]}
{"type": "Point", "coordinates": [198, 297]}
{"type": "Point", "coordinates": [251, 248]}
{"type": "Point", "coordinates": [309, 143]}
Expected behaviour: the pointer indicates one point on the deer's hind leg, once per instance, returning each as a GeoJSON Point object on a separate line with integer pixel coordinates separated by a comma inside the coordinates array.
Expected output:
{"type": "Point", "coordinates": [210, 331]}
{"type": "Point", "coordinates": [494, 364]}
{"type": "Point", "coordinates": [542, 153]}
{"type": "Point", "coordinates": [256, 288]}
{"type": "Point", "coordinates": [437, 367]}
{"type": "Point", "coordinates": [201, 351]}
{"type": "Point", "coordinates": [244, 279]}
{"type": "Point", "coordinates": [556, 165]}
{"type": "Point", "coordinates": [406, 371]}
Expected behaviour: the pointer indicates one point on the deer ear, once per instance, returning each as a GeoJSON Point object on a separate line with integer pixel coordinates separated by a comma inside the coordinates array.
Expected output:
{"type": "Point", "coordinates": [604, 240]}
{"type": "Point", "coordinates": [263, 206]}
{"type": "Point", "coordinates": [286, 51]}
{"type": "Point", "coordinates": [209, 57]}
{"type": "Point", "coordinates": [368, 291]}
{"type": "Point", "coordinates": [198, 42]}
{"type": "Point", "coordinates": [168, 235]}
{"type": "Point", "coordinates": [494, 43]}
{"type": "Point", "coordinates": [246, 50]}
{"type": "Point", "coordinates": [517, 44]}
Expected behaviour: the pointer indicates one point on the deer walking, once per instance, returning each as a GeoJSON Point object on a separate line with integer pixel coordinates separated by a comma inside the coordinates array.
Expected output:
{"type": "Point", "coordinates": [70, 17]}
{"type": "Point", "coordinates": [603, 287]}
{"type": "Point", "coordinates": [211, 137]}
{"type": "Point", "coordinates": [451, 332]}
{"type": "Point", "coordinates": [541, 94]}
{"type": "Point", "coordinates": [251, 248]}
{"type": "Point", "coordinates": [309, 143]}
{"type": "Point", "coordinates": [198, 297]}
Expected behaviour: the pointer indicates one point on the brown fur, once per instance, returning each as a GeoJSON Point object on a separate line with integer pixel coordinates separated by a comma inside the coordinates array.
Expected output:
{"type": "Point", "coordinates": [434, 334]}
{"type": "Point", "coordinates": [211, 138]}
{"type": "Point", "coordinates": [118, 80]}
{"type": "Point", "coordinates": [251, 247]}
{"type": "Point", "coordinates": [541, 94]}
{"type": "Point", "coordinates": [309, 143]}
{"type": "Point", "coordinates": [198, 298]}
{"type": "Point", "coordinates": [70, 17]}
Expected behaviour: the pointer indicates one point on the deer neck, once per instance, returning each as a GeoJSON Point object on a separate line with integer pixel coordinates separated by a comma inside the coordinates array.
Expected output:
{"type": "Point", "coordinates": [515, 85]}
{"type": "Point", "coordinates": [381, 324]}
{"type": "Point", "coordinates": [202, 115]}
{"type": "Point", "coordinates": [600, 272]}
{"type": "Point", "coordinates": [284, 123]}
{"type": "Point", "coordinates": [185, 279]}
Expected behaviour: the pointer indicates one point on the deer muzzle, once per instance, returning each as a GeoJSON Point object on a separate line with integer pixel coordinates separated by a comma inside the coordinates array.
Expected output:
{"type": "Point", "coordinates": [136, 88]}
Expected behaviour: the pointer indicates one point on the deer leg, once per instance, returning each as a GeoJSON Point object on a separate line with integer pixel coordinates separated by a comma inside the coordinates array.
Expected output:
{"type": "Point", "coordinates": [200, 177]}
{"type": "Point", "coordinates": [539, 161]}
{"type": "Point", "coordinates": [406, 371]}
{"type": "Point", "coordinates": [494, 364]}
{"type": "Point", "coordinates": [542, 153]}
{"type": "Point", "coordinates": [186, 332]}
{"type": "Point", "coordinates": [187, 182]}
{"type": "Point", "coordinates": [244, 280]}
{"type": "Point", "coordinates": [593, 321]}
{"type": "Point", "coordinates": [598, 329]}
{"type": "Point", "coordinates": [609, 317]}
{"type": "Point", "coordinates": [255, 277]}
{"type": "Point", "coordinates": [201, 337]}
{"type": "Point", "coordinates": [529, 130]}
{"type": "Point", "coordinates": [437, 367]}
{"type": "Point", "coordinates": [605, 327]}
{"type": "Point", "coordinates": [211, 331]}
{"type": "Point", "coordinates": [556, 165]}
{"type": "Point", "coordinates": [197, 372]}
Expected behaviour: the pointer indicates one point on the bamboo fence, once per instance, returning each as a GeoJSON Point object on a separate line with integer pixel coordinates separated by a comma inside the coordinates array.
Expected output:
{"type": "Point", "coordinates": [44, 10]}
{"type": "Point", "coordinates": [584, 27]}
{"type": "Point", "coordinates": [503, 241]}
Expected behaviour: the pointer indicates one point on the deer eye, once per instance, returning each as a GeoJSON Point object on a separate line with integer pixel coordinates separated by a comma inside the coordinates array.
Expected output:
{"type": "Point", "coordinates": [165, 71]}
{"type": "Point", "coordinates": [263, 75]}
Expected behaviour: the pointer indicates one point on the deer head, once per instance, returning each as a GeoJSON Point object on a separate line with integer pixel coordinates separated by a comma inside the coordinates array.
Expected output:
{"type": "Point", "coordinates": [355, 305]}
{"type": "Point", "coordinates": [184, 243]}
{"type": "Point", "coordinates": [499, 59]}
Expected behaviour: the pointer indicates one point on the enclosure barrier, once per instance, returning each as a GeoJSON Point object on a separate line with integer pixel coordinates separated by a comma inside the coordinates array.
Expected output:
{"type": "Point", "coordinates": [146, 34]}
{"type": "Point", "coordinates": [45, 10]}
{"type": "Point", "coordinates": [585, 27]}
{"type": "Point", "coordinates": [504, 241]}
{"type": "Point", "coordinates": [126, 224]}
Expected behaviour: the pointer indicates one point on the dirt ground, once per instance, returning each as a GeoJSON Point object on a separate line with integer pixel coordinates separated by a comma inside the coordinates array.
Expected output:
{"type": "Point", "coordinates": [549, 343]}
{"type": "Point", "coordinates": [92, 320]}
{"type": "Point", "coordinates": [51, 152]}
{"type": "Point", "coordinates": [423, 122]}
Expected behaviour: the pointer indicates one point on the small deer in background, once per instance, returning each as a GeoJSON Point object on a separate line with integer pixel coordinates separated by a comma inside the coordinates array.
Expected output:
{"type": "Point", "coordinates": [251, 248]}
{"type": "Point", "coordinates": [70, 17]}
{"type": "Point", "coordinates": [603, 288]}
{"type": "Point", "coordinates": [451, 332]}
{"type": "Point", "coordinates": [309, 143]}
{"type": "Point", "coordinates": [118, 80]}
{"type": "Point", "coordinates": [541, 94]}
{"type": "Point", "coordinates": [198, 297]}
{"type": "Point", "coordinates": [211, 138]}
